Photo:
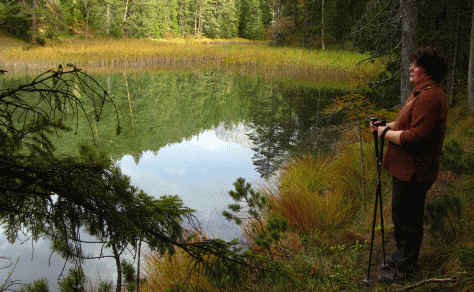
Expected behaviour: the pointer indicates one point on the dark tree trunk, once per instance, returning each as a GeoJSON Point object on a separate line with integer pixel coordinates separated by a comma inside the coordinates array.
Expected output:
{"type": "Point", "coordinates": [138, 265]}
{"type": "Point", "coordinates": [471, 71]}
{"type": "Point", "coordinates": [451, 82]}
{"type": "Point", "coordinates": [408, 15]}
{"type": "Point", "coordinates": [118, 285]}
{"type": "Point", "coordinates": [323, 43]}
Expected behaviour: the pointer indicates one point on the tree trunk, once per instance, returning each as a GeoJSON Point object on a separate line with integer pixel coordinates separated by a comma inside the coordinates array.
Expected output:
{"type": "Point", "coordinates": [107, 19]}
{"type": "Point", "coordinates": [125, 14]}
{"type": "Point", "coordinates": [180, 18]}
{"type": "Point", "coordinates": [138, 265]}
{"type": "Point", "coordinates": [118, 285]}
{"type": "Point", "coordinates": [276, 10]}
{"type": "Point", "coordinates": [87, 19]}
{"type": "Point", "coordinates": [130, 101]}
{"type": "Point", "coordinates": [295, 12]}
{"type": "Point", "coordinates": [408, 15]}
{"type": "Point", "coordinates": [471, 71]}
{"type": "Point", "coordinates": [323, 44]}
{"type": "Point", "coordinates": [34, 25]}
{"type": "Point", "coordinates": [196, 19]}
{"type": "Point", "coordinates": [453, 62]}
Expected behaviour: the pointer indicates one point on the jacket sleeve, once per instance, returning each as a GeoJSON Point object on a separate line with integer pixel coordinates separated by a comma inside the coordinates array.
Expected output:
{"type": "Point", "coordinates": [424, 119]}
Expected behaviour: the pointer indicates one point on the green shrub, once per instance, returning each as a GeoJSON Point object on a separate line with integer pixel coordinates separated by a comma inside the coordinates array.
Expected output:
{"type": "Point", "coordinates": [443, 215]}
{"type": "Point", "coordinates": [40, 285]}
{"type": "Point", "coordinates": [105, 286]}
{"type": "Point", "coordinates": [455, 159]}
{"type": "Point", "coordinates": [15, 20]}
{"type": "Point", "coordinates": [75, 281]}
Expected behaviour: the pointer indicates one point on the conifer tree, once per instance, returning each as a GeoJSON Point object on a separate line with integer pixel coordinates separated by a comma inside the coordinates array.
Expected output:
{"type": "Point", "coordinates": [251, 20]}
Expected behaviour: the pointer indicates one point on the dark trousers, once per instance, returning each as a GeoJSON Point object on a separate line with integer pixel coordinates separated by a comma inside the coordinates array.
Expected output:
{"type": "Point", "coordinates": [408, 200]}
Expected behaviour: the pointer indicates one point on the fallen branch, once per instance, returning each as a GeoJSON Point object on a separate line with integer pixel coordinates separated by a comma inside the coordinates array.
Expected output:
{"type": "Point", "coordinates": [423, 282]}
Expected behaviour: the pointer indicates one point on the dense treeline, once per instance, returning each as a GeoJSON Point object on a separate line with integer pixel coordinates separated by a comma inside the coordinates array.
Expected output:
{"type": "Point", "coordinates": [137, 19]}
{"type": "Point", "coordinates": [298, 21]}
{"type": "Point", "coordinates": [370, 25]}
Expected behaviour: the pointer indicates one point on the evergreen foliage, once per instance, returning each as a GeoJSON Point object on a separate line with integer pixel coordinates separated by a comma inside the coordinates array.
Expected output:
{"type": "Point", "coordinates": [251, 20]}
{"type": "Point", "coordinates": [105, 286]}
{"type": "Point", "coordinates": [137, 19]}
{"type": "Point", "coordinates": [454, 158]}
{"type": "Point", "coordinates": [15, 19]}
{"type": "Point", "coordinates": [129, 275]}
{"type": "Point", "coordinates": [75, 281]}
{"type": "Point", "coordinates": [37, 286]}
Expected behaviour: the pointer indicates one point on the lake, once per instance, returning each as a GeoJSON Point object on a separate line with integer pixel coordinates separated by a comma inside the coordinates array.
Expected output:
{"type": "Point", "coordinates": [191, 134]}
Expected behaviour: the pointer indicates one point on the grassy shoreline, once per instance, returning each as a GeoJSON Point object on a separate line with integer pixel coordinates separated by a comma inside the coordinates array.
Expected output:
{"type": "Point", "coordinates": [132, 55]}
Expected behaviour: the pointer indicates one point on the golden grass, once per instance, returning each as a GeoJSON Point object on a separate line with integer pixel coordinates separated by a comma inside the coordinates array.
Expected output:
{"type": "Point", "coordinates": [173, 273]}
{"type": "Point", "coordinates": [307, 199]}
{"type": "Point", "coordinates": [236, 54]}
{"type": "Point", "coordinates": [7, 42]}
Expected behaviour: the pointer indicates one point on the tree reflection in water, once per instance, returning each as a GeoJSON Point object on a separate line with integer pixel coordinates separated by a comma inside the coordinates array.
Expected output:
{"type": "Point", "coordinates": [290, 121]}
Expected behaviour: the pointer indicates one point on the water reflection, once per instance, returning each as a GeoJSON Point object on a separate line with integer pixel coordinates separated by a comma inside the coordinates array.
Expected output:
{"type": "Point", "coordinates": [193, 134]}
{"type": "Point", "coordinates": [200, 170]}
{"type": "Point", "coordinates": [290, 121]}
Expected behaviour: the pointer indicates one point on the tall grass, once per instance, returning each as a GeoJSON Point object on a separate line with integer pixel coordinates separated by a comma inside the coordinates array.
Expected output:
{"type": "Point", "coordinates": [175, 272]}
{"type": "Point", "coordinates": [142, 55]}
{"type": "Point", "coordinates": [323, 193]}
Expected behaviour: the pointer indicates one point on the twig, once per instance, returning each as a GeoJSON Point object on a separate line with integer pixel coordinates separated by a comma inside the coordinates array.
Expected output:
{"type": "Point", "coordinates": [426, 281]}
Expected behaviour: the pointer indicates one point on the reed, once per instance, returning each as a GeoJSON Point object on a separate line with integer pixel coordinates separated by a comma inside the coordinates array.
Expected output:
{"type": "Point", "coordinates": [238, 54]}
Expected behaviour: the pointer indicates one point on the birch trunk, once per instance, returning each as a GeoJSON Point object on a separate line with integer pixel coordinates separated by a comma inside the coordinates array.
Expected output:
{"type": "Point", "coordinates": [125, 14]}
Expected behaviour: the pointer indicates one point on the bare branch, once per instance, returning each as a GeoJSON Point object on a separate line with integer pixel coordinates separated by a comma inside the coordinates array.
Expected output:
{"type": "Point", "coordinates": [427, 281]}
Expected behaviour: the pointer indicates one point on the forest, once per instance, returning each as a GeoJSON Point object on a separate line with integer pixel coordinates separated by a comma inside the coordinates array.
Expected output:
{"type": "Point", "coordinates": [308, 231]}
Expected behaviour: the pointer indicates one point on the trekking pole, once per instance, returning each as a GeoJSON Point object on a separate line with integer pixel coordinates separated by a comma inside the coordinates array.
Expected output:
{"type": "Point", "coordinates": [379, 183]}
{"type": "Point", "coordinates": [378, 200]}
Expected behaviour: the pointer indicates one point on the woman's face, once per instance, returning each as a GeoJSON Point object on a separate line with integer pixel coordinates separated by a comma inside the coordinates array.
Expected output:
{"type": "Point", "coordinates": [417, 74]}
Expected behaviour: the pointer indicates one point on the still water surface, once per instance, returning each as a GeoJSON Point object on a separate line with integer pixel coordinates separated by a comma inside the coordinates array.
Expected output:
{"type": "Point", "coordinates": [192, 134]}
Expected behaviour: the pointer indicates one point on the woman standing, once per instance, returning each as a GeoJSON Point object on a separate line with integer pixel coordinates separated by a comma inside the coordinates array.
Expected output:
{"type": "Point", "coordinates": [415, 140]}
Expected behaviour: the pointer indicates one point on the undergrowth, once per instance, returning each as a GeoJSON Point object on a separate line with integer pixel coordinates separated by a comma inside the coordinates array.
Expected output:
{"type": "Point", "coordinates": [314, 221]}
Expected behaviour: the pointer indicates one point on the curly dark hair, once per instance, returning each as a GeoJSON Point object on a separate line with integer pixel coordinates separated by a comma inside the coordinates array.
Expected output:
{"type": "Point", "coordinates": [431, 61]}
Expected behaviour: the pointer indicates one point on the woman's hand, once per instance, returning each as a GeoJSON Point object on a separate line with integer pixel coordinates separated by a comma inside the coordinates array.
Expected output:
{"type": "Point", "coordinates": [381, 129]}
{"type": "Point", "coordinates": [375, 125]}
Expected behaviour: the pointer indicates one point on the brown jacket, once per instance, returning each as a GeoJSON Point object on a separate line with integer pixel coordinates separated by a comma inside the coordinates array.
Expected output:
{"type": "Point", "coordinates": [423, 121]}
